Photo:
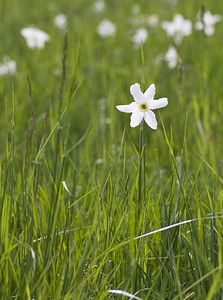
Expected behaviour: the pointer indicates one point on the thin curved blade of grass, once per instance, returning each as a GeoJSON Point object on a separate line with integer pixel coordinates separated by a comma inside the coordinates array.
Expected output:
{"type": "Point", "coordinates": [124, 293]}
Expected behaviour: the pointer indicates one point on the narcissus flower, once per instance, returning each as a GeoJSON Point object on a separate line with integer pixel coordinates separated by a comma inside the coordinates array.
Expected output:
{"type": "Point", "coordinates": [207, 23]}
{"type": "Point", "coordinates": [178, 28]}
{"type": "Point", "coordinates": [35, 38]}
{"type": "Point", "coordinates": [140, 36]}
{"type": "Point", "coordinates": [141, 108]}
{"type": "Point", "coordinates": [99, 6]}
{"type": "Point", "coordinates": [7, 67]}
{"type": "Point", "coordinates": [106, 28]}
{"type": "Point", "coordinates": [171, 57]}
{"type": "Point", "coordinates": [60, 21]}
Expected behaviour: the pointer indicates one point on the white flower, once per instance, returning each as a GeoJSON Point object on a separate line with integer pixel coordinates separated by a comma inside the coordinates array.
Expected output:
{"type": "Point", "coordinates": [178, 28]}
{"type": "Point", "coordinates": [99, 161]}
{"type": "Point", "coordinates": [143, 105]}
{"type": "Point", "coordinates": [136, 9]}
{"type": "Point", "coordinates": [140, 36]}
{"type": "Point", "coordinates": [99, 6]}
{"type": "Point", "coordinates": [153, 20]}
{"type": "Point", "coordinates": [171, 57]}
{"type": "Point", "coordinates": [35, 38]}
{"type": "Point", "coordinates": [57, 71]}
{"type": "Point", "coordinates": [8, 67]}
{"type": "Point", "coordinates": [207, 24]}
{"type": "Point", "coordinates": [106, 28]}
{"type": "Point", "coordinates": [60, 21]}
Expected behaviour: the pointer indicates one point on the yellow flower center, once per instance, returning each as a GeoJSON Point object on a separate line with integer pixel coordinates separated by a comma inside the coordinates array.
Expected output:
{"type": "Point", "coordinates": [143, 106]}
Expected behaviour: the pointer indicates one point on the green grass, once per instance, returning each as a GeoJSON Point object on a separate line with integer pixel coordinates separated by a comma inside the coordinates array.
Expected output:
{"type": "Point", "coordinates": [88, 204]}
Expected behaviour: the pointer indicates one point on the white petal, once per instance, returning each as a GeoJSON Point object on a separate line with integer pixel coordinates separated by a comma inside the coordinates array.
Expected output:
{"type": "Point", "coordinates": [155, 104]}
{"type": "Point", "coordinates": [127, 108]}
{"type": "Point", "coordinates": [150, 92]}
{"type": "Point", "coordinates": [198, 25]}
{"type": "Point", "coordinates": [209, 30]}
{"type": "Point", "coordinates": [137, 93]}
{"type": "Point", "coordinates": [31, 43]}
{"type": "Point", "coordinates": [169, 27]}
{"type": "Point", "coordinates": [136, 118]}
{"type": "Point", "coordinates": [150, 119]}
{"type": "Point", "coordinates": [187, 27]}
{"type": "Point", "coordinates": [210, 20]}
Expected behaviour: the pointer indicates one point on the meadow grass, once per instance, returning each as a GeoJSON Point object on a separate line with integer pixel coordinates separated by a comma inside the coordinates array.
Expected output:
{"type": "Point", "coordinates": [89, 204]}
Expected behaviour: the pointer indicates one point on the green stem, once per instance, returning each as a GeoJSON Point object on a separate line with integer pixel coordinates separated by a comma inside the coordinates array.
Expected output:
{"type": "Point", "coordinates": [141, 176]}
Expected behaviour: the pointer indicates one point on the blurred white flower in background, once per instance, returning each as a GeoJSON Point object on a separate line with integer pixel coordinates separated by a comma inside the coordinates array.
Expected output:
{"type": "Point", "coordinates": [60, 21]}
{"type": "Point", "coordinates": [140, 36]}
{"type": "Point", "coordinates": [207, 23]}
{"type": "Point", "coordinates": [99, 6]}
{"type": "Point", "coordinates": [136, 9]}
{"type": "Point", "coordinates": [171, 57]}
{"type": "Point", "coordinates": [99, 161]}
{"type": "Point", "coordinates": [35, 38]}
{"type": "Point", "coordinates": [104, 119]}
{"type": "Point", "coordinates": [57, 71]}
{"type": "Point", "coordinates": [178, 28]}
{"type": "Point", "coordinates": [106, 28]}
{"type": "Point", "coordinates": [153, 20]}
{"type": "Point", "coordinates": [7, 67]}
{"type": "Point", "coordinates": [143, 105]}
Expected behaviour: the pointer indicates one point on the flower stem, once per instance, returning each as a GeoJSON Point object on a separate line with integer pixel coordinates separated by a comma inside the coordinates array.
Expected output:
{"type": "Point", "coordinates": [141, 174]}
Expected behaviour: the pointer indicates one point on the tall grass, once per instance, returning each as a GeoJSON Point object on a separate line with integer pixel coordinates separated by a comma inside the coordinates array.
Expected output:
{"type": "Point", "coordinates": [88, 205]}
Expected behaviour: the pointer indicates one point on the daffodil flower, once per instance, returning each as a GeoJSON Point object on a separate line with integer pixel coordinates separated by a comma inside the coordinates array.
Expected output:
{"type": "Point", "coordinates": [207, 23]}
{"type": "Point", "coordinates": [8, 67]}
{"type": "Point", "coordinates": [178, 28]}
{"type": "Point", "coordinates": [60, 21]}
{"type": "Point", "coordinates": [140, 36]}
{"type": "Point", "coordinates": [106, 28]}
{"type": "Point", "coordinates": [141, 108]}
{"type": "Point", "coordinates": [35, 38]}
{"type": "Point", "coordinates": [171, 57]}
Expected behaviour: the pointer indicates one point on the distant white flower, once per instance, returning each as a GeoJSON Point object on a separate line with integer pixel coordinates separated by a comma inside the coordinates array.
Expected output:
{"type": "Point", "coordinates": [207, 23]}
{"type": "Point", "coordinates": [140, 36]}
{"type": "Point", "coordinates": [143, 105]}
{"type": "Point", "coordinates": [60, 21]}
{"type": "Point", "coordinates": [35, 38]}
{"type": "Point", "coordinates": [57, 71]}
{"type": "Point", "coordinates": [178, 28]}
{"type": "Point", "coordinates": [99, 161]}
{"type": "Point", "coordinates": [153, 20]}
{"type": "Point", "coordinates": [171, 57]}
{"type": "Point", "coordinates": [199, 26]}
{"type": "Point", "coordinates": [7, 67]}
{"type": "Point", "coordinates": [99, 6]}
{"type": "Point", "coordinates": [136, 9]}
{"type": "Point", "coordinates": [106, 28]}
